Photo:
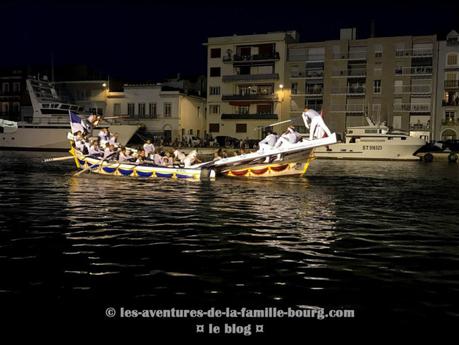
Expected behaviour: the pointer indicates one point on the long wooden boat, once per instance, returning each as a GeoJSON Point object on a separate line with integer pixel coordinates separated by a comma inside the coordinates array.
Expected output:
{"type": "Point", "coordinates": [287, 161]}
{"type": "Point", "coordinates": [114, 168]}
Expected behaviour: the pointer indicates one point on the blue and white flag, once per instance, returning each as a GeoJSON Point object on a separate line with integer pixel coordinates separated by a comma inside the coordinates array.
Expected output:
{"type": "Point", "coordinates": [76, 123]}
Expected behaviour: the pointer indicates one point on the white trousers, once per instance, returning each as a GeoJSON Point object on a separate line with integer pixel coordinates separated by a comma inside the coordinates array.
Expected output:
{"type": "Point", "coordinates": [318, 121]}
{"type": "Point", "coordinates": [263, 147]}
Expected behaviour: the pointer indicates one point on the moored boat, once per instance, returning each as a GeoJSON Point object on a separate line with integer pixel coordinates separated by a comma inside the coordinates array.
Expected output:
{"type": "Point", "coordinates": [373, 142]}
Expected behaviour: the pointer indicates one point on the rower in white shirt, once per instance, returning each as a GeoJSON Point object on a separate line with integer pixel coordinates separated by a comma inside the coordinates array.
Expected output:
{"type": "Point", "coordinates": [316, 121]}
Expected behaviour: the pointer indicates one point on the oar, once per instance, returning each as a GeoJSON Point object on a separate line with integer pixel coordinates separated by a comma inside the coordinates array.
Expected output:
{"type": "Point", "coordinates": [55, 159]}
{"type": "Point", "coordinates": [92, 166]}
{"type": "Point", "coordinates": [272, 124]}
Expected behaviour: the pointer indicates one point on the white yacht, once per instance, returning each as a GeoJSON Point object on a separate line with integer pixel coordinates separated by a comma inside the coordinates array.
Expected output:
{"type": "Point", "coordinates": [373, 142]}
{"type": "Point", "coordinates": [47, 128]}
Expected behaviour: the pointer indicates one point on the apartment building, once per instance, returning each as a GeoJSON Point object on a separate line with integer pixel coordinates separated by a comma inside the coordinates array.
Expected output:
{"type": "Point", "coordinates": [245, 83]}
{"type": "Point", "coordinates": [447, 121]}
{"type": "Point", "coordinates": [389, 79]}
{"type": "Point", "coordinates": [165, 112]}
{"type": "Point", "coordinates": [12, 91]}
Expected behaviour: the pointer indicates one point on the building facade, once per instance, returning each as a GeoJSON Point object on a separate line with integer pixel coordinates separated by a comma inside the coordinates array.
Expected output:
{"type": "Point", "coordinates": [389, 79]}
{"type": "Point", "coordinates": [245, 83]}
{"type": "Point", "coordinates": [167, 114]}
{"type": "Point", "coordinates": [447, 122]}
{"type": "Point", "coordinates": [13, 95]}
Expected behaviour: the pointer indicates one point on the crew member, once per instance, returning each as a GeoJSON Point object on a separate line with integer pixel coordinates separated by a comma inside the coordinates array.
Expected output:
{"type": "Point", "coordinates": [316, 120]}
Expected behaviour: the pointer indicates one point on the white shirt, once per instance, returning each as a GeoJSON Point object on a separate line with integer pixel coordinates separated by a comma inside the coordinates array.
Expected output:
{"type": "Point", "coordinates": [311, 114]}
{"type": "Point", "coordinates": [149, 148]}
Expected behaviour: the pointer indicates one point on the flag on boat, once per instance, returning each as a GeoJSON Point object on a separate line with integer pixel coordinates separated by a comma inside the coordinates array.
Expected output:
{"type": "Point", "coordinates": [76, 123]}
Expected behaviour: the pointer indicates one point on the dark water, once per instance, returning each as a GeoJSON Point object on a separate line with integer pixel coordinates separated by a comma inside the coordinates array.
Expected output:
{"type": "Point", "coordinates": [381, 238]}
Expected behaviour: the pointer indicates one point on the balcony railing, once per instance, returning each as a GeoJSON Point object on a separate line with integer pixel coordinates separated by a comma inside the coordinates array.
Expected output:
{"type": "Point", "coordinates": [356, 55]}
{"type": "Point", "coordinates": [249, 97]}
{"type": "Point", "coordinates": [450, 103]}
{"type": "Point", "coordinates": [355, 72]}
{"type": "Point", "coordinates": [249, 77]}
{"type": "Point", "coordinates": [249, 117]}
{"type": "Point", "coordinates": [450, 122]}
{"type": "Point", "coordinates": [308, 74]}
{"type": "Point", "coordinates": [310, 57]}
{"type": "Point", "coordinates": [251, 58]}
{"type": "Point", "coordinates": [419, 70]}
{"type": "Point", "coordinates": [351, 90]}
{"type": "Point", "coordinates": [412, 108]}
{"type": "Point", "coordinates": [413, 52]}
{"type": "Point", "coordinates": [451, 84]}
{"type": "Point", "coordinates": [419, 89]}
{"type": "Point", "coordinates": [347, 108]}
{"type": "Point", "coordinates": [419, 127]}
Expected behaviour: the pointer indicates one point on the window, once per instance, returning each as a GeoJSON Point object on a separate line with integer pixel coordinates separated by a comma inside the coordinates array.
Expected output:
{"type": "Point", "coordinates": [294, 88]}
{"type": "Point", "coordinates": [167, 109]}
{"type": "Point", "coordinates": [264, 109]}
{"type": "Point", "coordinates": [451, 59]}
{"type": "Point", "coordinates": [141, 109]}
{"type": "Point", "coordinates": [131, 109]}
{"type": "Point", "coordinates": [377, 86]}
{"type": "Point", "coordinates": [190, 132]}
{"type": "Point", "coordinates": [243, 109]}
{"type": "Point", "coordinates": [117, 109]}
{"type": "Point", "coordinates": [215, 53]}
{"type": "Point", "coordinates": [214, 90]}
{"type": "Point", "coordinates": [152, 110]}
{"type": "Point", "coordinates": [378, 50]}
{"type": "Point", "coordinates": [6, 87]}
{"type": "Point", "coordinates": [449, 116]}
{"type": "Point", "coordinates": [214, 127]}
{"type": "Point", "coordinates": [16, 87]}
{"type": "Point", "coordinates": [241, 128]}
{"type": "Point", "coordinates": [16, 107]}
{"type": "Point", "coordinates": [214, 109]}
{"type": "Point", "coordinates": [215, 71]}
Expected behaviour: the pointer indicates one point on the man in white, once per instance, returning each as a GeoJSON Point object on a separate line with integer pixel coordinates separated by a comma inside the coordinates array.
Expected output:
{"type": "Point", "coordinates": [267, 143]}
{"type": "Point", "coordinates": [149, 148]}
{"type": "Point", "coordinates": [180, 156]}
{"type": "Point", "coordinates": [316, 120]}
{"type": "Point", "coordinates": [191, 158]}
{"type": "Point", "coordinates": [289, 137]}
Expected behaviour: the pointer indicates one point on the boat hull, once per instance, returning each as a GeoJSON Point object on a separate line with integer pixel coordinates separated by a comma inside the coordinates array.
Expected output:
{"type": "Point", "coordinates": [269, 170]}
{"type": "Point", "coordinates": [140, 170]}
{"type": "Point", "coordinates": [370, 151]}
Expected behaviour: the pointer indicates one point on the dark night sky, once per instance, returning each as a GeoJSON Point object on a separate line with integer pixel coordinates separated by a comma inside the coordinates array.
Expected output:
{"type": "Point", "coordinates": [147, 40]}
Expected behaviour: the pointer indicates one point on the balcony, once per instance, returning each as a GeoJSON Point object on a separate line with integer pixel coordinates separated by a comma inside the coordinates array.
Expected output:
{"type": "Point", "coordinates": [249, 117]}
{"type": "Point", "coordinates": [309, 92]}
{"type": "Point", "coordinates": [251, 58]}
{"type": "Point", "coordinates": [249, 97]}
{"type": "Point", "coordinates": [350, 90]}
{"type": "Point", "coordinates": [450, 122]}
{"type": "Point", "coordinates": [414, 53]}
{"type": "Point", "coordinates": [347, 108]}
{"type": "Point", "coordinates": [419, 70]}
{"type": "Point", "coordinates": [250, 77]}
{"type": "Point", "coordinates": [419, 127]}
{"type": "Point", "coordinates": [352, 55]}
{"type": "Point", "coordinates": [307, 58]}
{"type": "Point", "coordinates": [316, 73]}
{"type": "Point", "coordinates": [451, 84]}
{"type": "Point", "coordinates": [413, 89]}
{"type": "Point", "coordinates": [450, 103]}
{"type": "Point", "coordinates": [412, 108]}
{"type": "Point", "coordinates": [350, 73]}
